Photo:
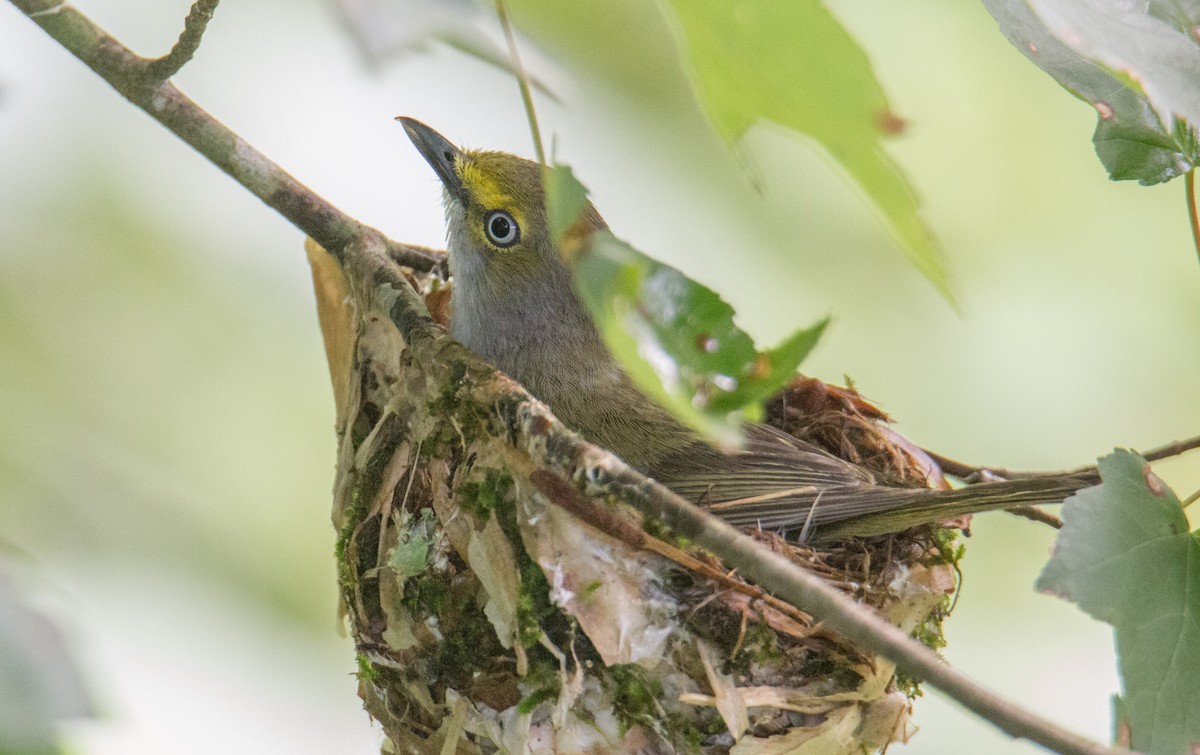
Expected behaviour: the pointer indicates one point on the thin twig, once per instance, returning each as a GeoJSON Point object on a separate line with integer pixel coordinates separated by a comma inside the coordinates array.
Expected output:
{"type": "Point", "coordinates": [1034, 514]}
{"type": "Point", "coordinates": [522, 81]}
{"type": "Point", "coordinates": [1174, 448]}
{"type": "Point", "coordinates": [188, 43]}
{"type": "Point", "coordinates": [1191, 499]}
{"type": "Point", "coordinates": [966, 471]}
{"type": "Point", "coordinates": [973, 474]}
{"type": "Point", "coordinates": [402, 254]}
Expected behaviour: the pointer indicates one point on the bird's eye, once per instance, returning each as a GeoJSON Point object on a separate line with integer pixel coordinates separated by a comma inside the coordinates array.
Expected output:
{"type": "Point", "coordinates": [501, 229]}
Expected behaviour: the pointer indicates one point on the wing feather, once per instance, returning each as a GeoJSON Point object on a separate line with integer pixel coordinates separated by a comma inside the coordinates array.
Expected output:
{"type": "Point", "coordinates": [780, 483]}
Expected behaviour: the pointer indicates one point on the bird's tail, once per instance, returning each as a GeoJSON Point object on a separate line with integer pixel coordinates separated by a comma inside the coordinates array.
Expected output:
{"type": "Point", "coordinates": [860, 510]}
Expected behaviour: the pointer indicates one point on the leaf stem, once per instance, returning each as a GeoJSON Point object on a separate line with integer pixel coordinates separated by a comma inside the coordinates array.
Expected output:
{"type": "Point", "coordinates": [522, 81]}
{"type": "Point", "coordinates": [1189, 186]}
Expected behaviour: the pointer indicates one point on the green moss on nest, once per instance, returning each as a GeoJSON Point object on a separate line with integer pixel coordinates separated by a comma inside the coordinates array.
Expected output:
{"type": "Point", "coordinates": [409, 557]}
{"type": "Point", "coordinates": [543, 681]}
{"type": "Point", "coordinates": [468, 643]}
{"type": "Point", "coordinates": [366, 670]}
{"type": "Point", "coordinates": [495, 495]}
{"type": "Point", "coordinates": [447, 401]}
{"type": "Point", "coordinates": [530, 702]}
{"type": "Point", "coordinates": [533, 603]}
{"type": "Point", "coordinates": [946, 551]}
{"type": "Point", "coordinates": [760, 645]}
{"type": "Point", "coordinates": [635, 696]}
{"type": "Point", "coordinates": [366, 485]}
{"type": "Point", "coordinates": [657, 528]}
{"type": "Point", "coordinates": [467, 649]}
{"type": "Point", "coordinates": [426, 594]}
{"type": "Point", "coordinates": [689, 735]}
{"type": "Point", "coordinates": [482, 498]}
{"type": "Point", "coordinates": [468, 417]}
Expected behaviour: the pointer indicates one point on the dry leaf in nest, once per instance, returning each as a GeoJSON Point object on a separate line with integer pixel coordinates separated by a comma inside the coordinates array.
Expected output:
{"type": "Point", "coordinates": [488, 617]}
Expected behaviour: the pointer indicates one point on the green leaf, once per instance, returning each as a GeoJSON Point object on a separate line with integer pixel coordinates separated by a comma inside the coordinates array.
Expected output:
{"type": "Point", "coordinates": [1135, 147]}
{"type": "Point", "coordinates": [789, 62]}
{"type": "Point", "coordinates": [677, 340]}
{"type": "Point", "coordinates": [1126, 557]}
{"type": "Point", "coordinates": [1133, 68]}
{"type": "Point", "coordinates": [675, 337]}
{"type": "Point", "coordinates": [565, 199]}
{"type": "Point", "coordinates": [1136, 47]}
{"type": "Point", "coordinates": [607, 285]}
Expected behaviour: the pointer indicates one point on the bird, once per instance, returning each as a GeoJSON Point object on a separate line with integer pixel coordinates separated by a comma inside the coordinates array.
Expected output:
{"type": "Point", "coordinates": [514, 304]}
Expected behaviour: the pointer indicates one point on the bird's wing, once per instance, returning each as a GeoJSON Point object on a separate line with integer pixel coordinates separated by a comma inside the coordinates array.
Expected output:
{"type": "Point", "coordinates": [780, 483]}
{"type": "Point", "coordinates": [775, 476]}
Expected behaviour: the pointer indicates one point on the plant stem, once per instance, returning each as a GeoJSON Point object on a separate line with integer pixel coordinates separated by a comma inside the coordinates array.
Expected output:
{"type": "Point", "coordinates": [522, 81]}
{"type": "Point", "coordinates": [1189, 186]}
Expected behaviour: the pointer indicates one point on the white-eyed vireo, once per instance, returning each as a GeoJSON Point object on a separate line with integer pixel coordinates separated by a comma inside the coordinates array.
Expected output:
{"type": "Point", "coordinates": [515, 305]}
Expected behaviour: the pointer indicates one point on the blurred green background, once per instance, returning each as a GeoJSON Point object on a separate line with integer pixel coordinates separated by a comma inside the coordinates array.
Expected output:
{"type": "Point", "coordinates": [167, 444]}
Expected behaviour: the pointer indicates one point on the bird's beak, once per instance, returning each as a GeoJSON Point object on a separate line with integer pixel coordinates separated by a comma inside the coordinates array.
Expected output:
{"type": "Point", "coordinates": [439, 153]}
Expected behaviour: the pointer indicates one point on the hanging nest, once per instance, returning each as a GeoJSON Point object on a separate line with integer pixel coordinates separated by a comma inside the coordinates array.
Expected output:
{"type": "Point", "coordinates": [496, 608]}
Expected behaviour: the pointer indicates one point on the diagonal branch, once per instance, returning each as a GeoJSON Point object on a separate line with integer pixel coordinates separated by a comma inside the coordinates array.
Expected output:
{"type": "Point", "coordinates": [368, 256]}
{"type": "Point", "coordinates": [130, 74]}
